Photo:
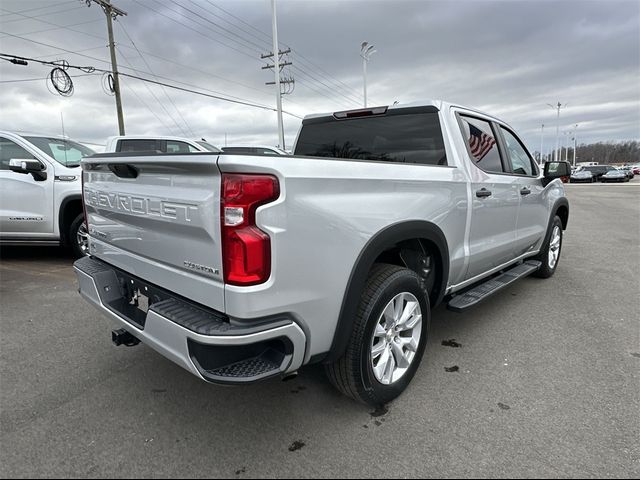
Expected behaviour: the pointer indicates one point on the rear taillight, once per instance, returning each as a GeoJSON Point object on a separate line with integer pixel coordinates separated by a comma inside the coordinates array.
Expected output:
{"type": "Point", "coordinates": [246, 249]}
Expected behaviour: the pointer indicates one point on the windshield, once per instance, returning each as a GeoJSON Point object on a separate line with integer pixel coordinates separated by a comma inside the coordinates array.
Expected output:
{"type": "Point", "coordinates": [63, 151]}
{"type": "Point", "coordinates": [208, 146]}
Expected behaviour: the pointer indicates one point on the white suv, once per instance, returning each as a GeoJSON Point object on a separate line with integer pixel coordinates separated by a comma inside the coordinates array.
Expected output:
{"type": "Point", "coordinates": [40, 191]}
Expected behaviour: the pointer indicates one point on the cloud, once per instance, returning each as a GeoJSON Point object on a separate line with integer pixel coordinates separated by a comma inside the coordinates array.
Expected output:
{"type": "Point", "coordinates": [508, 58]}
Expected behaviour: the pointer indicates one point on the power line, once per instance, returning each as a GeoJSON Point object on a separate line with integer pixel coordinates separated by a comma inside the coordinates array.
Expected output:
{"type": "Point", "coordinates": [158, 102]}
{"type": "Point", "coordinates": [341, 85]}
{"type": "Point", "coordinates": [176, 87]}
{"type": "Point", "coordinates": [193, 29]}
{"type": "Point", "coordinates": [43, 78]}
{"type": "Point", "coordinates": [45, 7]}
{"type": "Point", "coordinates": [259, 47]}
{"type": "Point", "coordinates": [59, 27]}
{"type": "Point", "coordinates": [151, 71]}
{"type": "Point", "coordinates": [36, 16]}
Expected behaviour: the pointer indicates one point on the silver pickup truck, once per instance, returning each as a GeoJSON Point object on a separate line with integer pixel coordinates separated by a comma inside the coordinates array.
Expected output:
{"type": "Point", "coordinates": [240, 268]}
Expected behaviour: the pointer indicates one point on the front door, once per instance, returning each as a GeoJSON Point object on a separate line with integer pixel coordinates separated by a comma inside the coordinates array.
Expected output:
{"type": "Point", "coordinates": [495, 199]}
{"type": "Point", "coordinates": [26, 205]}
{"type": "Point", "coordinates": [533, 216]}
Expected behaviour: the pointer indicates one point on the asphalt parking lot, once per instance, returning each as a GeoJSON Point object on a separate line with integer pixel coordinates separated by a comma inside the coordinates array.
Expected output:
{"type": "Point", "coordinates": [548, 383]}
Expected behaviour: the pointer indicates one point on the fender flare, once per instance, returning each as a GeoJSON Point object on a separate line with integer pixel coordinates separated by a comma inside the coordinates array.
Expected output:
{"type": "Point", "coordinates": [61, 215]}
{"type": "Point", "coordinates": [561, 202]}
{"type": "Point", "coordinates": [380, 242]}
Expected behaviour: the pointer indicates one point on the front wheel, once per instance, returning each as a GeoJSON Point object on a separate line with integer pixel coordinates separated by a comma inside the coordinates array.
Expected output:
{"type": "Point", "coordinates": [79, 237]}
{"type": "Point", "coordinates": [388, 338]}
{"type": "Point", "coordinates": [550, 254]}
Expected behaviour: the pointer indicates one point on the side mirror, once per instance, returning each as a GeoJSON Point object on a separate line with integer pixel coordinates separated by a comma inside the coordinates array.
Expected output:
{"type": "Point", "coordinates": [556, 170]}
{"type": "Point", "coordinates": [26, 166]}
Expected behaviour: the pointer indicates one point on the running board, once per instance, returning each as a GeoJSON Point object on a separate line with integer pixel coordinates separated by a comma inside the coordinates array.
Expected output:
{"type": "Point", "coordinates": [477, 294]}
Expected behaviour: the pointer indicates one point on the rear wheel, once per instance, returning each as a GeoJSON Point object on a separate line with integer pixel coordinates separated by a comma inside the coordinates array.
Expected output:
{"type": "Point", "coordinates": [388, 338]}
{"type": "Point", "coordinates": [550, 254]}
{"type": "Point", "coordinates": [79, 237]}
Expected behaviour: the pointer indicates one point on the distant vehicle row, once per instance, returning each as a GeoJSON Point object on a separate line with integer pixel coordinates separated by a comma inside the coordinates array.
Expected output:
{"type": "Point", "coordinates": [602, 173]}
{"type": "Point", "coordinates": [131, 144]}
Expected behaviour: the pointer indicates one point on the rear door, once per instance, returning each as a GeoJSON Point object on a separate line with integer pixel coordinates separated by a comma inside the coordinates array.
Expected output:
{"type": "Point", "coordinates": [158, 217]}
{"type": "Point", "coordinates": [495, 198]}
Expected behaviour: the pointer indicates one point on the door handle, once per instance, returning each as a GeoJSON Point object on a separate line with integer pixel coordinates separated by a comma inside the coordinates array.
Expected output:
{"type": "Point", "coordinates": [525, 191]}
{"type": "Point", "coordinates": [483, 192]}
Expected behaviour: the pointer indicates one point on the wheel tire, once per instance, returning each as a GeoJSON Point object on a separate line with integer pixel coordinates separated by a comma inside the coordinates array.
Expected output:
{"type": "Point", "coordinates": [353, 373]}
{"type": "Point", "coordinates": [553, 244]}
{"type": "Point", "coordinates": [76, 231]}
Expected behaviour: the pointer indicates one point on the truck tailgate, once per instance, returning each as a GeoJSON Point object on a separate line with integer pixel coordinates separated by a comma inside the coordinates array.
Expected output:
{"type": "Point", "coordinates": [158, 217]}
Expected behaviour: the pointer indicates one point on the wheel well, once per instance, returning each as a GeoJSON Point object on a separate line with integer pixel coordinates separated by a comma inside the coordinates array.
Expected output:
{"type": "Point", "coordinates": [423, 257]}
{"type": "Point", "coordinates": [69, 210]}
{"type": "Point", "coordinates": [563, 213]}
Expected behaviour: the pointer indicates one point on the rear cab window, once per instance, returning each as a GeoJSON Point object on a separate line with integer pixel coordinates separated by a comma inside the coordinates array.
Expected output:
{"type": "Point", "coordinates": [138, 145]}
{"type": "Point", "coordinates": [411, 135]}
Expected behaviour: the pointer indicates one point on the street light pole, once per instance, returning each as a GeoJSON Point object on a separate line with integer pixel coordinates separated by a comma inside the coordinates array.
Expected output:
{"type": "Point", "coordinates": [366, 51]}
{"type": "Point", "coordinates": [541, 143]}
{"type": "Point", "coordinates": [575, 144]}
{"type": "Point", "coordinates": [558, 107]}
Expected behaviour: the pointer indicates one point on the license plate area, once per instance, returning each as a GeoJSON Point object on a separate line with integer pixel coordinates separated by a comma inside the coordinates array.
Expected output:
{"type": "Point", "coordinates": [134, 299]}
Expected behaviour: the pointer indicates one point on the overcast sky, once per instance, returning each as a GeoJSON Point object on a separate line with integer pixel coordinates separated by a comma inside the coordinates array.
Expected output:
{"type": "Point", "coordinates": [509, 58]}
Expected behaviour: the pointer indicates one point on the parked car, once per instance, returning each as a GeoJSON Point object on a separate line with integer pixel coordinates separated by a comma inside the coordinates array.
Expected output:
{"type": "Point", "coordinates": [582, 176]}
{"type": "Point", "coordinates": [242, 268]}
{"type": "Point", "coordinates": [614, 175]}
{"type": "Point", "coordinates": [145, 143]}
{"type": "Point", "coordinates": [628, 170]}
{"type": "Point", "coordinates": [635, 169]}
{"type": "Point", "coordinates": [40, 191]}
{"type": "Point", "coordinates": [598, 170]}
{"type": "Point", "coordinates": [254, 150]}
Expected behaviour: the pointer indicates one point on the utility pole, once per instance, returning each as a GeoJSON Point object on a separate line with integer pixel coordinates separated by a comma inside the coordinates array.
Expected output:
{"type": "Point", "coordinates": [112, 13]}
{"type": "Point", "coordinates": [277, 66]}
{"type": "Point", "coordinates": [556, 153]}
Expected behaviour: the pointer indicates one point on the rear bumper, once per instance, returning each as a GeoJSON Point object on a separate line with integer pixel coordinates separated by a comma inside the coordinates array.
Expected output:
{"type": "Point", "coordinates": [200, 340]}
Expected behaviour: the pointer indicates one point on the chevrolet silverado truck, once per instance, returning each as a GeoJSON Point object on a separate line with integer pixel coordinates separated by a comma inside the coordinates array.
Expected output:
{"type": "Point", "coordinates": [40, 191]}
{"type": "Point", "coordinates": [241, 268]}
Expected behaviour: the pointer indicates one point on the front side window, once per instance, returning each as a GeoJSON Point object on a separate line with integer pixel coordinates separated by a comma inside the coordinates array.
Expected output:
{"type": "Point", "coordinates": [402, 138]}
{"type": "Point", "coordinates": [520, 160]}
{"type": "Point", "coordinates": [11, 150]}
{"type": "Point", "coordinates": [482, 144]}
{"type": "Point", "coordinates": [63, 151]}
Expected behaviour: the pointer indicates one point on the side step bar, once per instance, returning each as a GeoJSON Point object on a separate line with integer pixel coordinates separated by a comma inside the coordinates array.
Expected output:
{"type": "Point", "coordinates": [477, 294]}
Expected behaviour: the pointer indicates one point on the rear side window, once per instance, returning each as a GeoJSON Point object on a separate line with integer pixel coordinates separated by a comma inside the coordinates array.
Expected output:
{"type": "Point", "coordinates": [482, 144]}
{"type": "Point", "coordinates": [401, 138]}
{"type": "Point", "coordinates": [140, 145]}
{"type": "Point", "coordinates": [180, 147]}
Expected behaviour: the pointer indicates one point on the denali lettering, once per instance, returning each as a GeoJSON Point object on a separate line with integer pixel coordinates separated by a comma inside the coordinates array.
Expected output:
{"type": "Point", "coordinates": [120, 202]}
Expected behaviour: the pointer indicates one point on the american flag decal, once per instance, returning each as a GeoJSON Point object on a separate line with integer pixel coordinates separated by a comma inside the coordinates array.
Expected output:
{"type": "Point", "coordinates": [479, 142]}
